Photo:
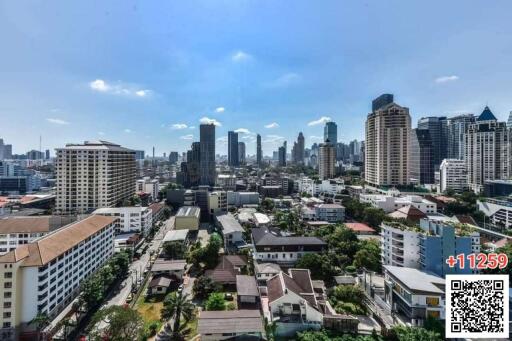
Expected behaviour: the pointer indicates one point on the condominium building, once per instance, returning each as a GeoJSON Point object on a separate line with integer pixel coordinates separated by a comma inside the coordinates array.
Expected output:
{"type": "Point", "coordinates": [16, 231]}
{"type": "Point", "coordinates": [421, 161]}
{"type": "Point", "coordinates": [331, 133]}
{"type": "Point", "coordinates": [233, 158]}
{"type": "Point", "coordinates": [326, 161]}
{"type": "Point", "coordinates": [332, 213]}
{"type": "Point", "coordinates": [437, 128]}
{"type": "Point", "coordinates": [487, 150]}
{"type": "Point", "coordinates": [453, 175]}
{"type": "Point", "coordinates": [456, 128]}
{"type": "Point", "coordinates": [390, 203]}
{"type": "Point", "coordinates": [388, 130]}
{"type": "Point", "coordinates": [207, 154]}
{"type": "Point", "coordinates": [93, 175]}
{"type": "Point", "coordinates": [400, 245]}
{"type": "Point", "coordinates": [131, 219]}
{"type": "Point", "coordinates": [259, 151]}
{"type": "Point", "coordinates": [498, 211]}
{"type": "Point", "coordinates": [44, 276]}
{"type": "Point", "coordinates": [146, 185]}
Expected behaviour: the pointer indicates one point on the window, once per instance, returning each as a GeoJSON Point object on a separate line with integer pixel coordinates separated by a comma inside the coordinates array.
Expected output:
{"type": "Point", "coordinates": [432, 301]}
{"type": "Point", "coordinates": [8, 275]}
{"type": "Point", "coordinates": [7, 285]}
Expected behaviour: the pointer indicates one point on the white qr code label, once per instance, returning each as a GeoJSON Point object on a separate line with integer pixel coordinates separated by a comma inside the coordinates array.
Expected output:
{"type": "Point", "coordinates": [477, 306]}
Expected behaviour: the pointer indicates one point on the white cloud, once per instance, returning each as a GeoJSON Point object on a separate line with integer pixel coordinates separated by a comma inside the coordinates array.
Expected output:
{"type": "Point", "coordinates": [101, 133]}
{"type": "Point", "coordinates": [445, 79]}
{"type": "Point", "coordinates": [127, 130]}
{"type": "Point", "coordinates": [118, 88]}
{"type": "Point", "coordinates": [284, 80]}
{"type": "Point", "coordinates": [57, 121]}
{"type": "Point", "coordinates": [321, 120]}
{"type": "Point", "coordinates": [240, 56]}
{"type": "Point", "coordinates": [273, 138]}
{"type": "Point", "coordinates": [222, 139]}
{"type": "Point", "coordinates": [272, 125]}
{"type": "Point", "coordinates": [220, 110]}
{"type": "Point", "coordinates": [207, 120]}
{"type": "Point", "coordinates": [313, 137]}
{"type": "Point", "coordinates": [242, 131]}
{"type": "Point", "coordinates": [178, 126]}
{"type": "Point", "coordinates": [187, 137]}
{"type": "Point", "coordinates": [192, 127]}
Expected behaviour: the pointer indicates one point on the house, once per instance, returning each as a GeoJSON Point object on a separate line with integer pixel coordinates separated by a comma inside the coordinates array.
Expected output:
{"type": "Point", "coordinates": [292, 303]}
{"type": "Point", "coordinates": [392, 202]}
{"type": "Point", "coordinates": [187, 218]}
{"type": "Point", "coordinates": [230, 325]}
{"type": "Point", "coordinates": [170, 268]}
{"type": "Point", "coordinates": [360, 228]}
{"type": "Point", "coordinates": [270, 246]}
{"type": "Point", "coordinates": [408, 212]}
{"type": "Point", "coordinates": [414, 295]}
{"type": "Point", "coordinates": [260, 219]}
{"type": "Point", "coordinates": [176, 236]}
{"type": "Point", "coordinates": [228, 268]}
{"type": "Point", "coordinates": [231, 230]}
{"type": "Point", "coordinates": [333, 213]}
{"type": "Point", "coordinates": [247, 289]}
{"type": "Point", "coordinates": [264, 271]}
{"type": "Point", "coordinates": [159, 285]}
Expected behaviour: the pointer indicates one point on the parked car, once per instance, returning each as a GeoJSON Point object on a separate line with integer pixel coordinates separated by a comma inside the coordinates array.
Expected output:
{"type": "Point", "coordinates": [129, 298]}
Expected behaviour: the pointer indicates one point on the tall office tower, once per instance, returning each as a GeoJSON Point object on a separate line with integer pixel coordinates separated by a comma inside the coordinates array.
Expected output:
{"type": "Point", "coordinates": [421, 167]}
{"type": "Point", "coordinates": [282, 155]}
{"type": "Point", "coordinates": [299, 152]}
{"type": "Point", "coordinates": [207, 146]}
{"type": "Point", "coordinates": [509, 122]}
{"type": "Point", "coordinates": [331, 133]}
{"type": "Point", "coordinates": [354, 150]}
{"type": "Point", "coordinates": [5, 150]}
{"type": "Point", "coordinates": [381, 101]}
{"type": "Point", "coordinates": [456, 127]}
{"type": "Point", "coordinates": [47, 154]}
{"type": "Point", "coordinates": [193, 175]}
{"type": "Point", "coordinates": [326, 161]}
{"type": "Point", "coordinates": [388, 130]}
{"type": "Point", "coordinates": [437, 126]}
{"type": "Point", "coordinates": [93, 175]}
{"type": "Point", "coordinates": [259, 151]}
{"type": "Point", "coordinates": [173, 157]}
{"type": "Point", "coordinates": [233, 159]}
{"type": "Point", "coordinates": [139, 155]}
{"type": "Point", "coordinates": [487, 150]}
{"type": "Point", "coordinates": [35, 155]}
{"type": "Point", "coordinates": [241, 152]}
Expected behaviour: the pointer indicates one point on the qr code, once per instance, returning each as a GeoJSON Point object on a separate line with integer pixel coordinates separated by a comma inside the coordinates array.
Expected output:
{"type": "Point", "coordinates": [477, 306]}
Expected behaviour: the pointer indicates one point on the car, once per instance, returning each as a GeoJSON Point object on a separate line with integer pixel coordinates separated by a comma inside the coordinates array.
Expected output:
{"type": "Point", "coordinates": [129, 298]}
{"type": "Point", "coordinates": [180, 288]}
{"type": "Point", "coordinates": [228, 296]}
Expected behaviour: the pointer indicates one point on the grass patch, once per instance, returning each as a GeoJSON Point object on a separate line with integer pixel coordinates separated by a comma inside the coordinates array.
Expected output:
{"type": "Point", "coordinates": [150, 308]}
{"type": "Point", "coordinates": [190, 329]}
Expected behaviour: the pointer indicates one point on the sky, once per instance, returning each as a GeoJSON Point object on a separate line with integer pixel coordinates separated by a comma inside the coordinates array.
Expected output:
{"type": "Point", "coordinates": [147, 73]}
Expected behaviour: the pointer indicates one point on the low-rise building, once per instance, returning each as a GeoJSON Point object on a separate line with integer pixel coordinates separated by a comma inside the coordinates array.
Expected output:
{"type": "Point", "coordinates": [360, 228]}
{"type": "Point", "coordinates": [414, 295]}
{"type": "Point", "coordinates": [130, 219]}
{"type": "Point", "coordinates": [390, 203]}
{"type": "Point", "coordinates": [226, 181]}
{"type": "Point", "coordinates": [228, 268]}
{"type": "Point", "coordinates": [265, 271]}
{"type": "Point", "coordinates": [270, 246]}
{"type": "Point", "coordinates": [172, 268]}
{"type": "Point", "coordinates": [261, 219]}
{"type": "Point", "coordinates": [499, 211]}
{"type": "Point", "coordinates": [332, 213]}
{"type": "Point", "coordinates": [231, 324]}
{"type": "Point", "coordinates": [149, 186]}
{"type": "Point", "coordinates": [231, 229]}
{"type": "Point", "coordinates": [44, 276]}
{"type": "Point", "coordinates": [240, 199]}
{"type": "Point", "coordinates": [217, 203]}
{"type": "Point", "coordinates": [247, 289]}
{"type": "Point", "coordinates": [187, 218]}
{"type": "Point", "coordinates": [176, 236]}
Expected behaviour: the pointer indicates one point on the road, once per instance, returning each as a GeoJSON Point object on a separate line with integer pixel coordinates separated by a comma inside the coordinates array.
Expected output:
{"type": "Point", "coordinates": [137, 267]}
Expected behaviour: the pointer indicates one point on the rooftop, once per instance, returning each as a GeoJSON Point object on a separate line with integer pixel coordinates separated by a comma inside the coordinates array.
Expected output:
{"type": "Point", "coordinates": [188, 211]}
{"type": "Point", "coordinates": [175, 235]}
{"type": "Point", "coordinates": [416, 280]}
{"type": "Point", "coordinates": [359, 227]}
{"type": "Point", "coordinates": [95, 145]}
{"type": "Point", "coordinates": [246, 286]}
{"type": "Point", "coordinates": [266, 236]}
{"type": "Point", "coordinates": [35, 224]}
{"type": "Point", "coordinates": [169, 265]}
{"type": "Point", "coordinates": [229, 223]}
{"type": "Point", "coordinates": [230, 321]}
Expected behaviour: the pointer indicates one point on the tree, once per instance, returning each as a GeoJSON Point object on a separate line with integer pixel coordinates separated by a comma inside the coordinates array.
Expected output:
{"type": "Point", "coordinates": [506, 249]}
{"type": "Point", "coordinates": [122, 323]}
{"type": "Point", "coordinates": [166, 213]}
{"type": "Point", "coordinates": [216, 301]}
{"type": "Point", "coordinates": [267, 205]}
{"type": "Point", "coordinates": [328, 335]}
{"type": "Point", "coordinates": [320, 265]}
{"type": "Point", "coordinates": [121, 261]}
{"type": "Point", "coordinates": [40, 321]}
{"type": "Point", "coordinates": [368, 256]}
{"type": "Point", "coordinates": [208, 255]}
{"type": "Point", "coordinates": [175, 249]}
{"type": "Point", "coordinates": [347, 299]}
{"type": "Point", "coordinates": [92, 292]}
{"type": "Point", "coordinates": [416, 334]}
{"type": "Point", "coordinates": [374, 216]}
{"type": "Point", "coordinates": [177, 306]}
{"type": "Point", "coordinates": [204, 286]}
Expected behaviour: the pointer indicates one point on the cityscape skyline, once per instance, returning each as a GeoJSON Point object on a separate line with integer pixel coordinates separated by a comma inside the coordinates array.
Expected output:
{"type": "Point", "coordinates": [170, 75]}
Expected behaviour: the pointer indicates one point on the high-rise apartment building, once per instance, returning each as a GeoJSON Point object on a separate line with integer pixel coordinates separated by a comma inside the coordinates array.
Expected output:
{"type": "Point", "coordinates": [438, 129]}
{"type": "Point", "coordinates": [241, 152]}
{"type": "Point", "coordinates": [331, 133]}
{"type": "Point", "coordinates": [388, 130]}
{"type": "Point", "coordinates": [259, 151]}
{"type": "Point", "coordinates": [207, 147]}
{"type": "Point", "coordinates": [381, 101]}
{"type": "Point", "coordinates": [193, 174]}
{"type": "Point", "coordinates": [456, 128]}
{"type": "Point", "coordinates": [93, 175]}
{"type": "Point", "coordinates": [173, 157]}
{"type": "Point", "coordinates": [233, 158]}
{"type": "Point", "coordinates": [326, 161]}
{"type": "Point", "coordinates": [5, 151]}
{"type": "Point", "coordinates": [453, 175]}
{"type": "Point", "coordinates": [298, 150]}
{"type": "Point", "coordinates": [421, 165]}
{"type": "Point", "coordinates": [487, 150]}
{"type": "Point", "coordinates": [281, 151]}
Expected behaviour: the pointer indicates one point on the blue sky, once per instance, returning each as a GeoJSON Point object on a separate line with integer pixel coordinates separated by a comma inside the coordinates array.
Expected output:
{"type": "Point", "coordinates": [144, 73]}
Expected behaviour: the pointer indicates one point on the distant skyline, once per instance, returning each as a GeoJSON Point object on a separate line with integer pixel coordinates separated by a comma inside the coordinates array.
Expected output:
{"type": "Point", "coordinates": [144, 74]}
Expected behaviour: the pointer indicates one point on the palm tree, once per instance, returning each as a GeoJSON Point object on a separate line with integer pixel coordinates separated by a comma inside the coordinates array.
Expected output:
{"type": "Point", "coordinates": [270, 330]}
{"type": "Point", "coordinates": [175, 307]}
{"type": "Point", "coordinates": [40, 321]}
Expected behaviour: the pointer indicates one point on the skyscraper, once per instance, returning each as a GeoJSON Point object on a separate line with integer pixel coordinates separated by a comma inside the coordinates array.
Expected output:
{"type": "Point", "coordinates": [298, 150]}
{"type": "Point", "coordinates": [509, 122]}
{"type": "Point", "coordinates": [456, 127]}
{"type": "Point", "coordinates": [241, 152]}
{"type": "Point", "coordinates": [381, 101]}
{"type": "Point", "coordinates": [331, 133]}
{"type": "Point", "coordinates": [388, 130]}
{"type": "Point", "coordinates": [438, 129]}
{"type": "Point", "coordinates": [259, 152]}
{"type": "Point", "coordinates": [233, 158]}
{"type": "Point", "coordinates": [282, 155]}
{"type": "Point", "coordinates": [5, 151]}
{"type": "Point", "coordinates": [487, 150]}
{"type": "Point", "coordinates": [326, 161]}
{"type": "Point", "coordinates": [421, 167]}
{"type": "Point", "coordinates": [93, 175]}
{"type": "Point", "coordinates": [207, 150]}
{"type": "Point", "coordinates": [193, 168]}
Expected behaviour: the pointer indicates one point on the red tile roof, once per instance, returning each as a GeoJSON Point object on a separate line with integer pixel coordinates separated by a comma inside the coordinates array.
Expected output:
{"type": "Point", "coordinates": [359, 227]}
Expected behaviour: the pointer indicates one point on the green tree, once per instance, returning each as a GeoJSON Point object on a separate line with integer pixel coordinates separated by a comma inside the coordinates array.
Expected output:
{"type": "Point", "coordinates": [373, 216]}
{"type": "Point", "coordinates": [92, 292]}
{"type": "Point", "coordinates": [175, 249]}
{"type": "Point", "coordinates": [204, 286]}
{"type": "Point", "coordinates": [122, 323]}
{"type": "Point", "coordinates": [215, 301]}
{"type": "Point", "coordinates": [177, 306]}
{"type": "Point", "coordinates": [368, 256]}
{"type": "Point", "coordinates": [506, 249]}
{"type": "Point", "coordinates": [166, 213]}
{"type": "Point", "coordinates": [320, 265]}
{"type": "Point", "coordinates": [415, 334]}
{"type": "Point", "coordinates": [267, 204]}
{"type": "Point", "coordinates": [328, 335]}
{"type": "Point", "coordinates": [347, 299]}
{"type": "Point", "coordinates": [40, 321]}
